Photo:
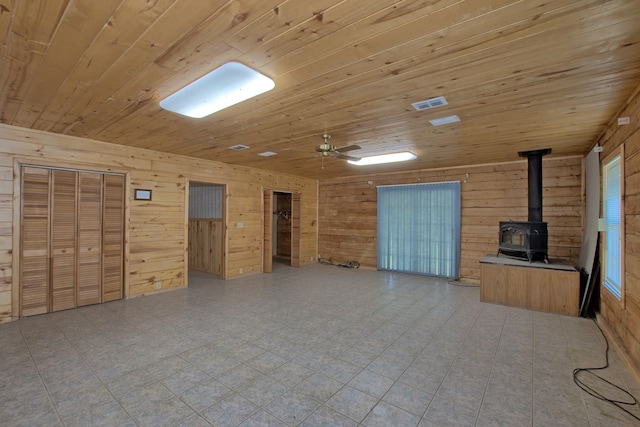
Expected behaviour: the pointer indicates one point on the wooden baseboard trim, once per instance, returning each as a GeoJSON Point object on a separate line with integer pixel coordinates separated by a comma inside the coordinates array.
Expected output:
{"type": "Point", "coordinates": [614, 341]}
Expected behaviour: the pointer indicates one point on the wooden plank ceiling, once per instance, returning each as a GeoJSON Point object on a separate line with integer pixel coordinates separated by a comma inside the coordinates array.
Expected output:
{"type": "Point", "coordinates": [520, 75]}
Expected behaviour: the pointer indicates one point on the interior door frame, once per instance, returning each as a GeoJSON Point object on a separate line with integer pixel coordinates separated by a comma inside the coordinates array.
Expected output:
{"type": "Point", "coordinates": [267, 227]}
{"type": "Point", "coordinates": [18, 163]}
{"type": "Point", "coordinates": [296, 213]}
{"type": "Point", "coordinates": [225, 243]}
{"type": "Point", "coordinates": [267, 230]}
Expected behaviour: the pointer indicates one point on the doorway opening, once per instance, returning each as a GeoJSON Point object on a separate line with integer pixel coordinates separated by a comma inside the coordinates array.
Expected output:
{"type": "Point", "coordinates": [206, 234]}
{"type": "Point", "coordinates": [282, 220]}
{"type": "Point", "coordinates": [281, 226]}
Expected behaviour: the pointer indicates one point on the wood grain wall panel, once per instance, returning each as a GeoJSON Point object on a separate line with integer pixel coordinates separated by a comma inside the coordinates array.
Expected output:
{"type": "Point", "coordinates": [112, 237]}
{"type": "Point", "coordinates": [205, 245]}
{"type": "Point", "coordinates": [624, 319]}
{"type": "Point", "coordinates": [155, 230]}
{"type": "Point", "coordinates": [89, 238]}
{"type": "Point", "coordinates": [34, 241]}
{"type": "Point", "coordinates": [6, 238]}
{"type": "Point", "coordinates": [284, 238]}
{"type": "Point", "coordinates": [26, 56]}
{"type": "Point", "coordinates": [159, 222]}
{"type": "Point", "coordinates": [198, 243]}
{"type": "Point", "coordinates": [244, 205]}
{"type": "Point", "coordinates": [103, 53]}
{"type": "Point", "coordinates": [490, 193]}
{"type": "Point", "coordinates": [553, 291]}
{"type": "Point", "coordinates": [63, 239]}
{"type": "Point", "coordinates": [88, 15]}
{"type": "Point", "coordinates": [354, 65]}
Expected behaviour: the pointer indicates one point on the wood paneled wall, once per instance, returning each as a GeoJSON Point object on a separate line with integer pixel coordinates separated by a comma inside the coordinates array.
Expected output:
{"type": "Point", "coordinates": [205, 245]}
{"type": "Point", "coordinates": [624, 318]}
{"type": "Point", "coordinates": [491, 193]}
{"type": "Point", "coordinates": [156, 230]}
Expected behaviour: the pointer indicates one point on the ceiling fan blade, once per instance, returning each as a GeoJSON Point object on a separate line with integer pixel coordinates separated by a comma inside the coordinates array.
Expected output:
{"type": "Point", "coordinates": [346, 157]}
{"type": "Point", "coordinates": [348, 148]}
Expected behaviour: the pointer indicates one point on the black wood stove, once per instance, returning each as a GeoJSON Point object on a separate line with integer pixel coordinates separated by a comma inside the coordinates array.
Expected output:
{"type": "Point", "coordinates": [528, 239]}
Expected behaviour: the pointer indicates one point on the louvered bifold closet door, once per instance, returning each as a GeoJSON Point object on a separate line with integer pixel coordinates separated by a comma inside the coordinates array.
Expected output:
{"type": "Point", "coordinates": [112, 237]}
{"type": "Point", "coordinates": [63, 239]}
{"type": "Point", "coordinates": [34, 245]}
{"type": "Point", "coordinates": [89, 237]}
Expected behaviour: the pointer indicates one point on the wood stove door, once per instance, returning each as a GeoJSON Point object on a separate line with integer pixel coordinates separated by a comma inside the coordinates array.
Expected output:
{"type": "Point", "coordinates": [513, 238]}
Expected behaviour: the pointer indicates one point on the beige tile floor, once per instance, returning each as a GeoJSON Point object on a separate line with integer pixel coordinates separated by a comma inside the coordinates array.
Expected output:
{"type": "Point", "coordinates": [312, 346]}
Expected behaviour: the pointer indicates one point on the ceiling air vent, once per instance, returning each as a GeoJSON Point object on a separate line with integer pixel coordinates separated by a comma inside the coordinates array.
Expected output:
{"type": "Point", "coordinates": [444, 120]}
{"type": "Point", "coordinates": [239, 147]}
{"type": "Point", "coordinates": [429, 103]}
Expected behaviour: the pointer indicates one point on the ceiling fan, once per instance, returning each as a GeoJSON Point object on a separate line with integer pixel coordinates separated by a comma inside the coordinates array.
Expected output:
{"type": "Point", "coordinates": [325, 149]}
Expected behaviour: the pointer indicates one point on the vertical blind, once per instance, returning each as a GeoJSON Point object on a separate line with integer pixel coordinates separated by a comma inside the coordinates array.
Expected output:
{"type": "Point", "coordinates": [419, 228]}
{"type": "Point", "coordinates": [612, 188]}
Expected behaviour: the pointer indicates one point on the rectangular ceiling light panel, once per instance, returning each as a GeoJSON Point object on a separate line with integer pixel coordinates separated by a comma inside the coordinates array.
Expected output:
{"type": "Point", "coordinates": [225, 86]}
{"type": "Point", "coordinates": [384, 158]}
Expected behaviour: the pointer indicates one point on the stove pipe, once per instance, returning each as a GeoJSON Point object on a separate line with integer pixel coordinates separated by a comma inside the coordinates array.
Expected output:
{"type": "Point", "coordinates": [534, 160]}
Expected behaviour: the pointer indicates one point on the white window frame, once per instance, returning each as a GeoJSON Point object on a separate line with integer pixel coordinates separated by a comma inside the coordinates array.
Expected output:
{"type": "Point", "coordinates": [615, 286]}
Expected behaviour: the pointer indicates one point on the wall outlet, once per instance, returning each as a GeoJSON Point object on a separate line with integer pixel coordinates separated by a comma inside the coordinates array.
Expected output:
{"type": "Point", "coordinates": [240, 225]}
{"type": "Point", "coordinates": [241, 270]}
{"type": "Point", "coordinates": [158, 284]}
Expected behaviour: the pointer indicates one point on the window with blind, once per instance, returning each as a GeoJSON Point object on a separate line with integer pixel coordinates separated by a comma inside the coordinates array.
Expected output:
{"type": "Point", "coordinates": [419, 228]}
{"type": "Point", "coordinates": [613, 218]}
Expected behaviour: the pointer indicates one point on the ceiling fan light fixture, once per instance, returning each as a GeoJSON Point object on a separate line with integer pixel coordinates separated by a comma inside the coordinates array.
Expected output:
{"type": "Point", "coordinates": [223, 87]}
{"type": "Point", "coordinates": [402, 156]}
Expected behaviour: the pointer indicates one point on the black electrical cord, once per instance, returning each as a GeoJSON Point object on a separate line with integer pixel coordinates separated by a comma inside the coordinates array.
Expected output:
{"type": "Point", "coordinates": [325, 262]}
{"type": "Point", "coordinates": [589, 390]}
{"type": "Point", "coordinates": [348, 264]}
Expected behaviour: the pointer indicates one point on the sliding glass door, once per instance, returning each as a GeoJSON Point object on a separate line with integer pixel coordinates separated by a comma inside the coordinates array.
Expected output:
{"type": "Point", "coordinates": [419, 228]}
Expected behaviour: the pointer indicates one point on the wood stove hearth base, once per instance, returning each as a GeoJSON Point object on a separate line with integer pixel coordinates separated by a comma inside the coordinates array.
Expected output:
{"type": "Point", "coordinates": [552, 287]}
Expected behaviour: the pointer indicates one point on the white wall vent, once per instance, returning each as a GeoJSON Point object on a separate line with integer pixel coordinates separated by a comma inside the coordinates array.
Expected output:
{"type": "Point", "coordinates": [239, 147]}
{"type": "Point", "coordinates": [429, 103]}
